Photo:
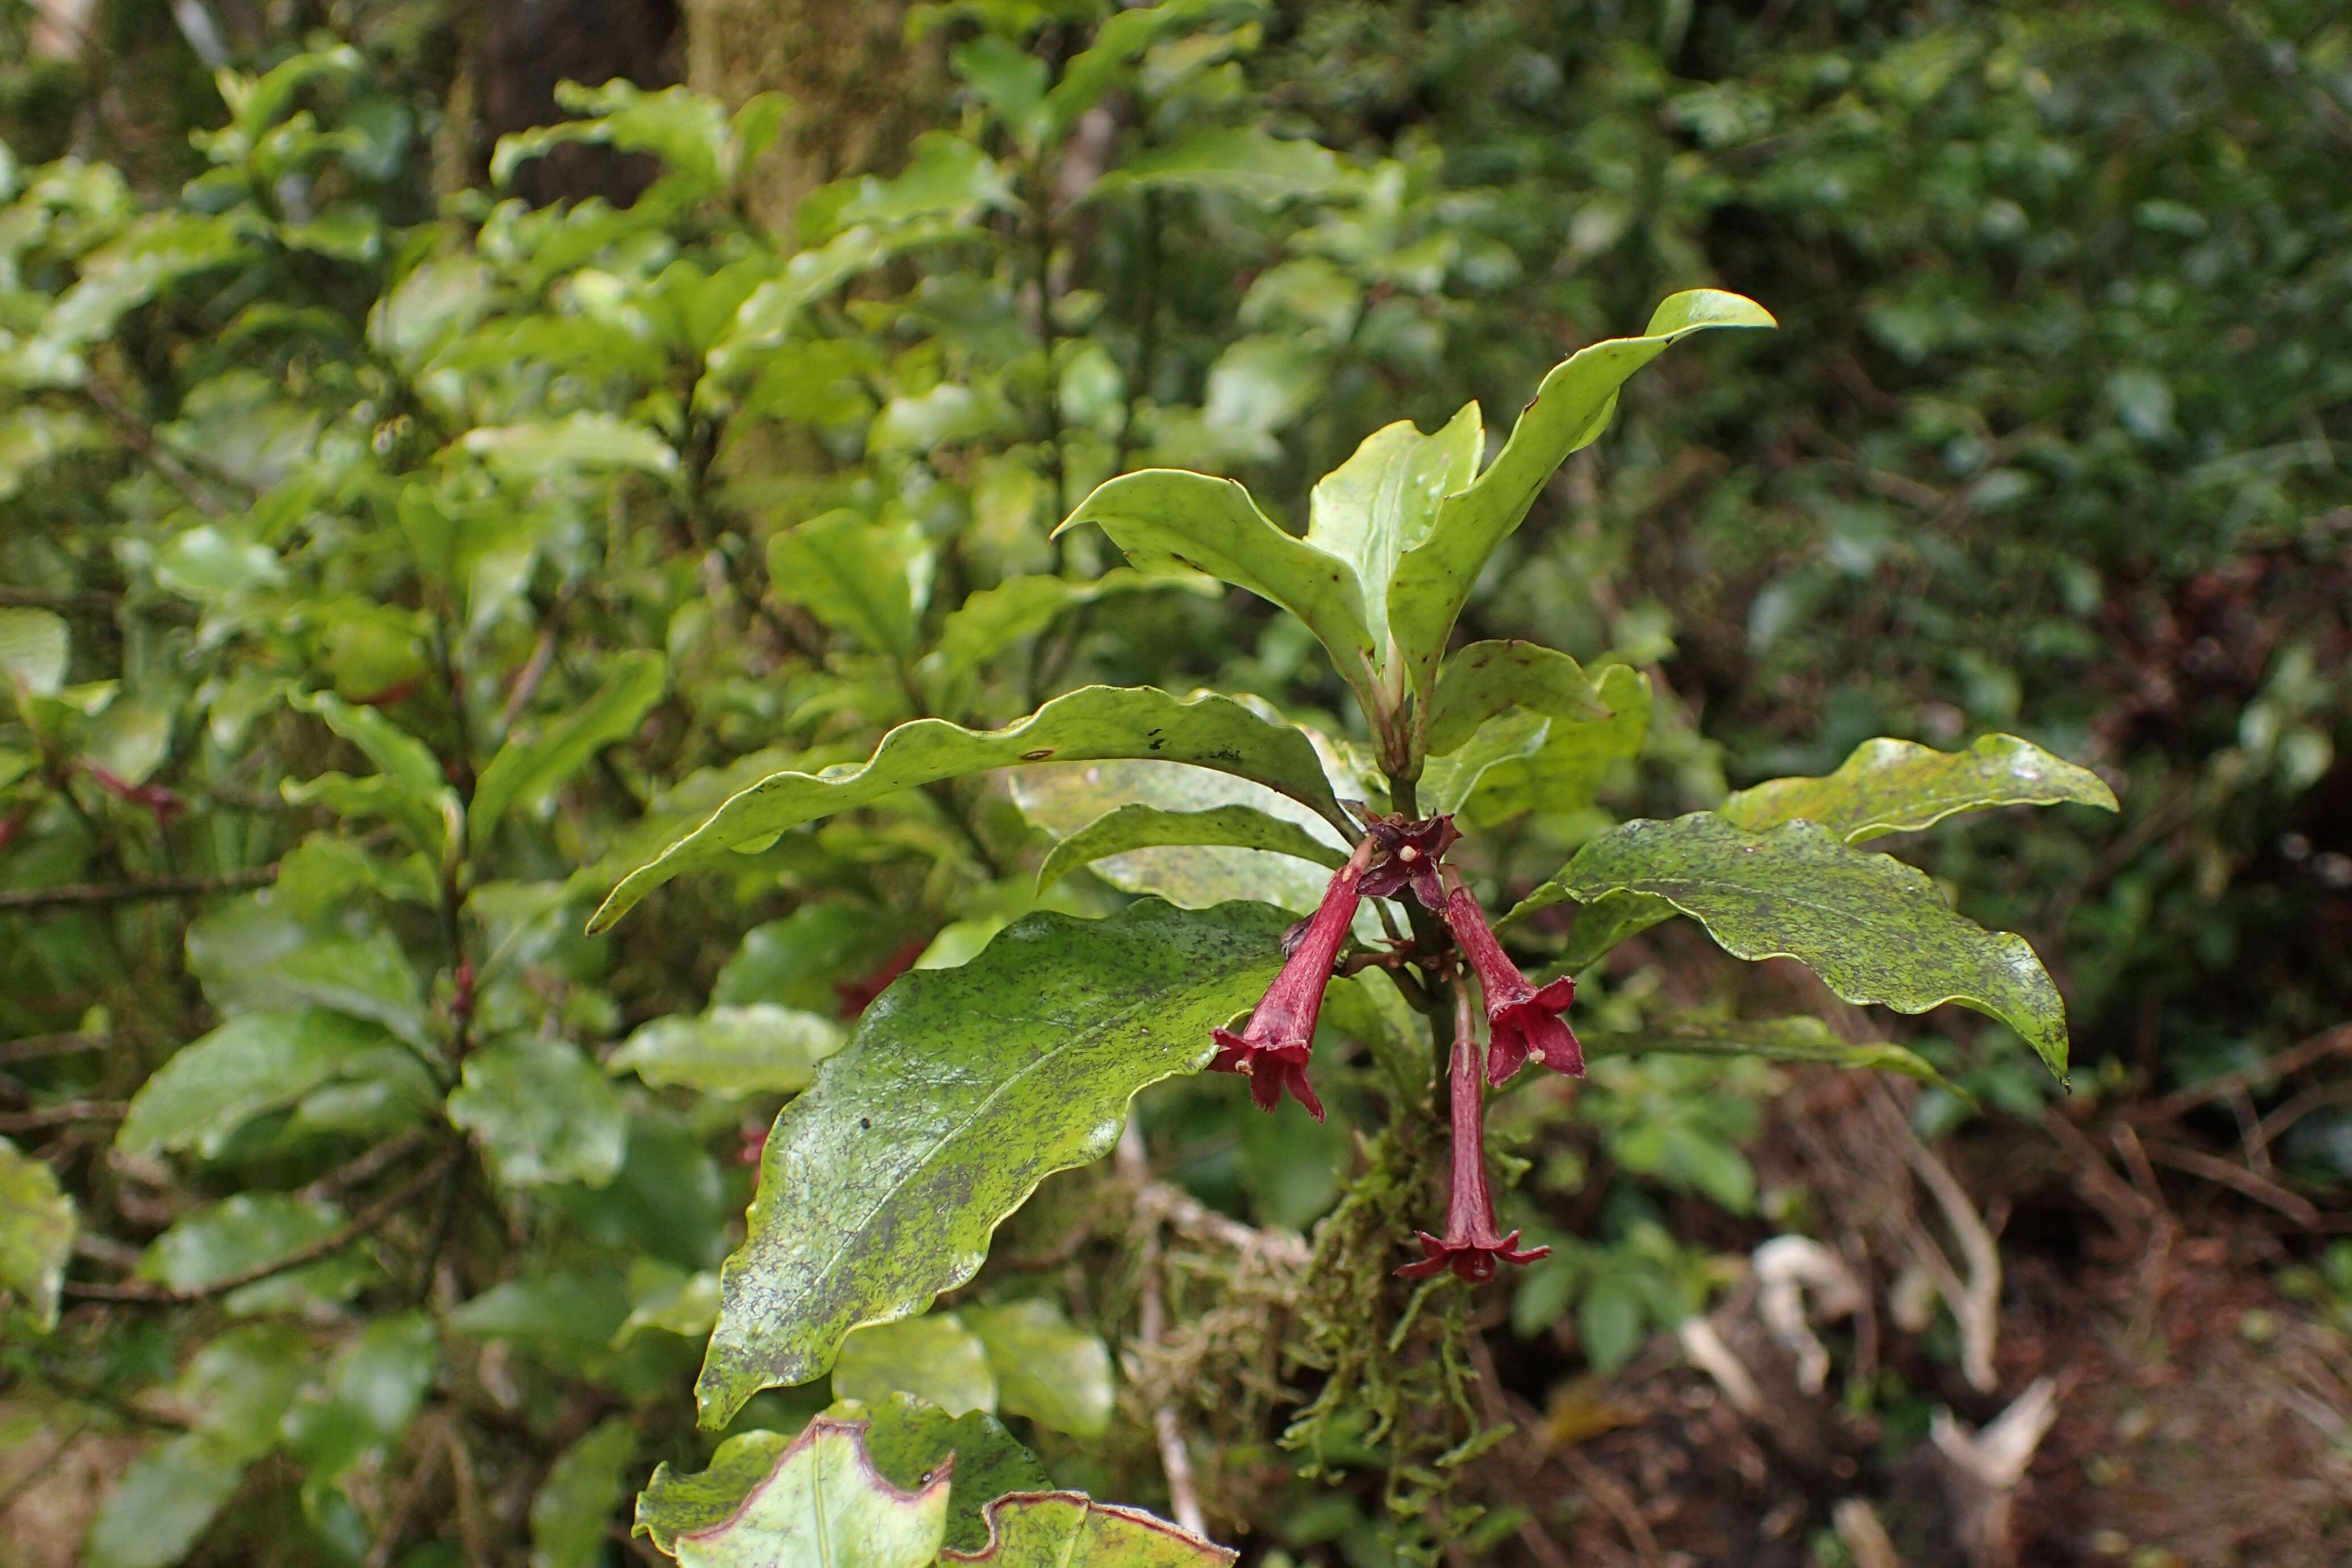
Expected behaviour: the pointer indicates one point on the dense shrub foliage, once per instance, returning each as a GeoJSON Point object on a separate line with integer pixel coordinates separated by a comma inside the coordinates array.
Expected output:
{"type": "Point", "coordinates": [381, 586]}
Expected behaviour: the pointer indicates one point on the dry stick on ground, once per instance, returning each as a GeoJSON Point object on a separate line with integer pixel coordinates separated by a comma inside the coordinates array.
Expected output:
{"type": "Point", "coordinates": [2293, 1060]}
{"type": "Point", "coordinates": [2237, 1178]}
{"type": "Point", "coordinates": [1975, 1304]}
{"type": "Point", "coordinates": [59, 1115]}
{"type": "Point", "coordinates": [365, 1221]}
{"type": "Point", "coordinates": [18, 901]}
{"type": "Point", "coordinates": [35, 1047]}
{"type": "Point", "coordinates": [1175, 1459]}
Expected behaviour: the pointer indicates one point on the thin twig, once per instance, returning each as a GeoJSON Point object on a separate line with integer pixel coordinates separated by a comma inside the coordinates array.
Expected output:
{"type": "Point", "coordinates": [1175, 1459]}
{"type": "Point", "coordinates": [33, 1048]}
{"type": "Point", "coordinates": [1976, 1305]}
{"type": "Point", "coordinates": [61, 1115]}
{"type": "Point", "coordinates": [21, 901]}
{"type": "Point", "coordinates": [46, 599]}
{"type": "Point", "coordinates": [366, 1167]}
{"type": "Point", "coordinates": [361, 1224]}
{"type": "Point", "coordinates": [2293, 1060]}
{"type": "Point", "coordinates": [141, 440]}
{"type": "Point", "coordinates": [2301, 1211]}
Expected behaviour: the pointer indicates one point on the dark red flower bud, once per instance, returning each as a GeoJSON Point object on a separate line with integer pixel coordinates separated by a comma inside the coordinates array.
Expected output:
{"type": "Point", "coordinates": [1471, 1246]}
{"type": "Point", "coordinates": [1521, 1020]}
{"type": "Point", "coordinates": [1273, 1048]}
{"type": "Point", "coordinates": [1407, 854]}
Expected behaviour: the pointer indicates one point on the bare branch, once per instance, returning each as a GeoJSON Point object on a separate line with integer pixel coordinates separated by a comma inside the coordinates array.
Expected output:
{"type": "Point", "coordinates": [21, 901]}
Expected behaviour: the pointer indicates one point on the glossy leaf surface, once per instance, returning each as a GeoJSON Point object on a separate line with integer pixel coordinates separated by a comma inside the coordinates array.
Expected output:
{"type": "Point", "coordinates": [1798, 1039]}
{"type": "Point", "coordinates": [1069, 1530]}
{"type": "Point", "coordinates": [1384, 500]}
{"type": "Point", "coordinates": [254, 1063]}
{"type": "Point", "coordinates": [1047, 1368]}
{"type": "Point", "coordinates": [1896, 786]}
{"type": "Point", "coordinates": [936, 1358]}
{"type": "Point", "coordinates": [1138, 827]}
{"type": "Point", "coordinates": [527, 768]}
{"type": "Point", "coordinates": [1873, 928]}
{"type": "Point", "coordinates": [1091, 724]}
{"type": "Point", "coordinates": [761, 1048]}
{"type": "Point", "coordinates": [856, 576]}
{"type": "Point", "coordinates": [820, 1503]}
{"type": "Point", "coordinates": [1489, 678]}
{"type": "Point", "coordinates": [962, 1088]}
{"type": "Point", "coordinates": [1570, 410]}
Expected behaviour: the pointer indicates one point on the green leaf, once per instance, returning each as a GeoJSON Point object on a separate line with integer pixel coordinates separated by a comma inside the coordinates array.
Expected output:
{"type": "Point", "coordinates": [1118, 42]}
{"type": "Point", "coordinates": [1872, 928]}
{"type": "Point", "coordinates": [243, 1232]}
{"type": "Point", "coordinates": [526, 769]}
{"type": "Point", "coordinates": [1896, 786]}
{"type": "Point", "coordinates": [869, 579]}
{"type": "Point", "coordinates": [798, 962]}
{"type": "Point", "coordinates": [1142, 826]}
{"type": "Point", "coordinates": [34, 651]}
{"type": "Point", "coordinates": [1488, 679]}
{"type": "Point", "coordinates": [1384, 500]}
{"type": "Point", "coordinates": [1070, 1529]}
{"type": "Point", "coordinates": [1240, 160]}
{"type": "Point", "coordinates": [1091, 724]}
{"type": "Point", "coordinates": [664, 1296]}
{"type": "Point", "coordinates": [1602, 924]}
{"type": "Point", "coordinates": [162, 1503]}
{"type": "Point", "coordinates": [372, 1390]}
{"type": "Point", "coordinates": [909, 1440]}
{"type": "Point", "coordinates": [576, 443]}
{"type": "Point", "coordinates": [1166, 518]}
{"type": "Point", "coordinates": [582, 1491]}
{"type": "Point", "coordinates": [254, 1063]}
{"type": "Point", "coordinates": [993, 619]}
{"type": "Point", "coordinates": [1047, 1369]}
{"type": "Point", "coordinates": [962, 1090]}
{"type": "Point", "coordinates": [1447, 782]}
{"type": "Point", "coordinates": [36, 1232]}
{"type": "Point", "coordinates": [239, 1386]}
{"type": "Point", "coordinates": [1800, 1039]}
{"type": "Point", "coordinates": [934, 1357]}
{"type": "Point", "coordinates": [757, 1049]}
{"type": "Point", "coordinates": [946, 174]}
{"type": "Point", "coordinates": [820, 1503]}
{"type": "Point", "coordinates": [414, 792]}
{"type": "Point", "coordinates": [1576, 758]}
{"type": "Point", "coordinates": [1570, 410]}
{"type": "Point", "coordinates": [687, 131]}
{"type": "Point", "coordinates": [542, 1111]}
{"type": "Point", "coordinates": [253, 957]}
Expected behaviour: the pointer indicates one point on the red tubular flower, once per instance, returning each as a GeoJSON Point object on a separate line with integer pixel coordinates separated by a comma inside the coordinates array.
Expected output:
{"type": "Point", "coordinates": [1471, 1246]}
{"type": "Point", "coordinates": [1406, 854]}
{"type": "Point", "coordinates": [1521, 1020]}
{"type": "Point", "coordinates": [1273, 1048]}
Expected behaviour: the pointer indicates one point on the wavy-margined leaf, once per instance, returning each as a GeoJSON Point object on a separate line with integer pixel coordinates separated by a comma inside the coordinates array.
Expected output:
{"type": "Point", "coordinates": [1047, 1368]}
{"type": "Point", "coordinates": [1491, 677]}
{"type": "Point", "coordinates": [1872, 928]}
{"type": "Point", "coordinates": [36, 1232]}
{"type": "Point", "coordinates": [1896, 786]}
{"type": "Point", "coordinates": [1064, 800]}
{"type": "Point", "coordinates": [1600, 925]}
{"type": "Point", "coordinates": [1146, 826]}
{"type": "Point", "coordinates": [1577, 754]}
{"type": "Point", "coordinates": [1570, 410]}
{"type": "Point", "coordinates": [819, 1502]}
{"type": "Point", "coordinates": [935, 1357]}
{"type": "Point", "coordinates": [1168, 517]}
{"type": "Point", "coordinates": [962, 1090]}
{"type": "Point", "coordinates": [1070, 1529]}
{"type": "Point", "coordinates": [1800, 1039]}
{"type": "Point", "coordinates": [1447, 782]}
{"type": "Point", "coordinates": [866, 578]}
{"type": "Point", "coordinates": [254, 1063]}
{"type": "Point", "coordinates": [1090, 724]}
{"type": "Point", "coordinates": [759, 1049]}
{"type": "Point", "coordinates": [909, 1440]}
{"type": "Point", "coordinates": [527, 767]}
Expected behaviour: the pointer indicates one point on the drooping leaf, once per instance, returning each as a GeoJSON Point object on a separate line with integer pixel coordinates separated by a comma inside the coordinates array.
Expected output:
{"type": "Point", "coordinates": [255, 1062]}
{"type": "Point", "coordinates": [1240, 160]}
{"type": "Point", "coordinates": [1799, 1039]}
{"type": "Point", "coordinates": [543, 1111]}
{"type": "Point", "coordinates": [869, 579]}
{"type": "Point", "coordinates": [1491, 677]}
{"type": "Point", "coordinates": [570, 1511]}
{"type": "Point", "coordinates": [818, 1503]}
{"type": "Point", "coordinates": [527, 768]}
{"type": "Point", "coordinates": [162, 1504]}
{"type": "Point", "coordinates": [1144, 826]}
{"type": "Point", "coordinates": [1165, 518]}
{"type": "Point", "coordinates": [1896, 786]}
{"type": "Point", "coordinates": [1064, 800]}
{"type": "Point", "coordinates": [962, 1090]}
{"type": "Point", "coordinates": [1047, 1368]}
{"type": "Point", "coordinates": [1070, 1529]}
{"type": "Point", "coordinates": [36, 1232]}
{"type": "Point", "coordinates": [1384, 500]}
{"type": "Point", "coordinates": [254, 957]}
{"type": "Point", "coordinates": [760, 1048]}
{"type": "Point", "coordinates": [1092, 723]}
{"type": "Point", "coordinates": [934, 1358]}
{"type": "Point", "coordinates": [228, 1238]}
{"type": "Point", "coordinates": [910, 1441]}
{"type": "Point", "coordinates": [1570, 410]}
{"type": "Point", "coordinates": [1576, 758]}
{"type": "Point", "coordinates": [1872, 928]}
{"type": "Point", "coordinates": [1448, 782]}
